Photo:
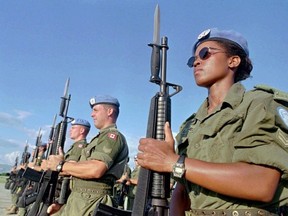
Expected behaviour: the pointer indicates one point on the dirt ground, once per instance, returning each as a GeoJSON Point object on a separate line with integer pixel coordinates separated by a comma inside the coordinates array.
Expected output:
{"type": "Point", "coordinates": [5, 199]}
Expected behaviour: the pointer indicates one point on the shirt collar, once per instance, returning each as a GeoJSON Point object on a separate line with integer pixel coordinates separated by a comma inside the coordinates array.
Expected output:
{"type": "Point", "coordinates": [233, 98]}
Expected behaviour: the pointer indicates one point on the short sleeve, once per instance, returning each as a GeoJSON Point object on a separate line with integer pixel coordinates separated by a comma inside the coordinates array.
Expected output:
{"type": "Point", "coordinates": [263, 138]}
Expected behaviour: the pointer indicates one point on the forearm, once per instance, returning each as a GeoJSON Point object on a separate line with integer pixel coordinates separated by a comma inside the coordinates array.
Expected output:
{"type": "Point", "coordinates": [241, 180]}
{"type": "Point", "coordinates": [84, 169]}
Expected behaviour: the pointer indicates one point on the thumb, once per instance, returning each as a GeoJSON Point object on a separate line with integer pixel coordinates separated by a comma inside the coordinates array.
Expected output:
{"type": "Point", "coordinates": [60, 151]}
{"type": "Point", "coordinates": [49, 209]}
{"type": "Point", "coordinates": [168, 134]}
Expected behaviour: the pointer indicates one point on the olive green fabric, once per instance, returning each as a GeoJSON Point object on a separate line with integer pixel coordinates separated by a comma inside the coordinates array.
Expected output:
{"type": "Point", "coordinates": [39, 158]}
{"type": "Point", "coordinates": [110, 147]}
{"type": "Point", "coordinates": [132, 188]}
{"type": "Point", "coordinates": [245, 127]}
{"type": "Point", "coordinates": [75, 150]}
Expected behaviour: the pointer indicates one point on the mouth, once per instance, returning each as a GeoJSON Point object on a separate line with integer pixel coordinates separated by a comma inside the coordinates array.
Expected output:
{"type": "Point", "coordinates": [197, 71]}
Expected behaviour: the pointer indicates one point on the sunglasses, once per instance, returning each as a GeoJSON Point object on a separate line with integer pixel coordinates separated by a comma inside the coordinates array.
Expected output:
{"type": "Point", "coordinates": [204, 54]}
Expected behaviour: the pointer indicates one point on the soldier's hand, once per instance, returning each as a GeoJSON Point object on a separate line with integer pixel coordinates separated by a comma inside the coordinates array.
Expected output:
{"type": "Point", "coordinates": [60, 150]}
{"type": "Point", "coordinates": [53, 161]}
{"type": "Point", "coordinates": [53, 208]}
{"type": "Point", "coordinates": [44, 165]}
{"type": "Point", "coordinates": [31, 164]}
{"type": "Point", "coordinates": [158, 155]}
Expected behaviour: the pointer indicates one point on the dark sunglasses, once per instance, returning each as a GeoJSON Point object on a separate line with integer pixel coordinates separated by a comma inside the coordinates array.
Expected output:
{"type": "Point", "coordinates": [204, 54]}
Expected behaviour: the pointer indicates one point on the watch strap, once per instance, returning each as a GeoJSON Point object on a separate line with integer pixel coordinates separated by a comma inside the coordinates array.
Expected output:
{"type": "Point", "coordinates": [181, 159]}
{"type": "Point", "coordinates": [60, 166]}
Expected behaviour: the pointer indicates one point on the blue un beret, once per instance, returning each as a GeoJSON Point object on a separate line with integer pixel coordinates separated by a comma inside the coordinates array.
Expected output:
{"type": "Point", "coordinates": [104, 99]}
{"type": "Point", "coordinates": [44, 144]}
{"type": "Point", "coordinates": [81, 122]}
{"type": "Point", "coordinates": [217, 34]}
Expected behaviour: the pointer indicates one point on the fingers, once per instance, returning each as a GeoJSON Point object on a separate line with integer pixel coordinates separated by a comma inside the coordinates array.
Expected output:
{"type": "Point", "coordinates": [168, 134]}
{"type": "Point", "coordinates": [61, 151]}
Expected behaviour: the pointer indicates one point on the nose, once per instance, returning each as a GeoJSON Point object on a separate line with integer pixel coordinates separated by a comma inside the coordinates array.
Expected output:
{"type": "Point", "coordinates": [196, 61]}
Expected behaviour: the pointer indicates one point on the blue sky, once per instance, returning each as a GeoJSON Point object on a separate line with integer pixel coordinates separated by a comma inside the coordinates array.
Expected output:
{"type": "Point", "coordinates": [101, 45]}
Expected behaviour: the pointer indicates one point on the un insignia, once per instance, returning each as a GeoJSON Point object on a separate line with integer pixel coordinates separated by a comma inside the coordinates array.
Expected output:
{"type": "Point", "coordinates": [283, 113]}
{"type": "Point", "coordinates": [204, 34]}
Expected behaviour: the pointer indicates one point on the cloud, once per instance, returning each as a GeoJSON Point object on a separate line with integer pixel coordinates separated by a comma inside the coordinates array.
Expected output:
{"type": "Point", "coordinates": [9, 158]}
{"type": "Point", "coordinates": [13, 120]}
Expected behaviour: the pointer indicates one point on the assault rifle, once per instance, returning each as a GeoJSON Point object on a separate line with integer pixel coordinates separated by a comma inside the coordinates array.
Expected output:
{"type": "Point", "coordinates": [49, 179]}
{"type": "Point", "coordinates": [19, 173]}
{"type": "Point", "coordinates": [28, 192]}
{"type": "Point", "coordinates": [153, 188]}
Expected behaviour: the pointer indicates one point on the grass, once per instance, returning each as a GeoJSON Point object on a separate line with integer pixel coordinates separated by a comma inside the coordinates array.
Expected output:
{"type": "Point", "coordinates": [3, 179]}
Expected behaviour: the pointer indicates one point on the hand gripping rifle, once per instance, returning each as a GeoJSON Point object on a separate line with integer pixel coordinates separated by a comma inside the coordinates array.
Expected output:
{"type": "Point", "coordinates": [154, 186]}
{"type": "Point", "coordinates": [27, 194]}
{"type": "Point", "coordinates": [50, 178]}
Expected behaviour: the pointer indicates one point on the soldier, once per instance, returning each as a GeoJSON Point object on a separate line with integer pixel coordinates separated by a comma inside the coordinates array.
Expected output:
{"type": "Point", "coordinates": [36, 164]}
{"type": "Point", "coordinates": [101, 163]}
{"type": "Point", "coordinates": [233, 155]}
{"type": "Point", "coordinates": [120, 190]}
{"type": "Point", "coordinates": [20, 183]}
{"type": "Point", "coordinates": [78, 132]}
{"type": "Point", "coordinates": [132, 182]}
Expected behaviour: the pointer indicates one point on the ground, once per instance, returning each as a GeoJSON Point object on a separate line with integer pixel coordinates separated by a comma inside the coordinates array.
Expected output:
{"type": "Point", "coordinates": [5, 196]}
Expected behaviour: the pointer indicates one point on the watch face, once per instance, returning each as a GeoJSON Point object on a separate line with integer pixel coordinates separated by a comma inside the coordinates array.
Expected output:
{"type": "Point", "coordinates": [178, 170]}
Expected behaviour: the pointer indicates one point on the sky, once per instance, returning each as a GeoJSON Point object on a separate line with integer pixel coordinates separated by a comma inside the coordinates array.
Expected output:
{"type": "Point", "coordinates": [102, 46]}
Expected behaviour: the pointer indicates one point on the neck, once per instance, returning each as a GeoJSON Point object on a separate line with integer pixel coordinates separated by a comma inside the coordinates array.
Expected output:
{"type": "Point", "coordinates": [217, 94]}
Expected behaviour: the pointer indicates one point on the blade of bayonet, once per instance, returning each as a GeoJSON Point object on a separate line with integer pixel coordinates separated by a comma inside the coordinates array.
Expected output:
{"type": "Point", "coordinates": [156, 34]}
{"type": "Point", "coordinates": [66, 88]}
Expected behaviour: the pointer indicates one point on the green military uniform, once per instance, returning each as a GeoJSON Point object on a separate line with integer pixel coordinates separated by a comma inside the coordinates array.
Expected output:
{"type": "Point", "coordinates": [73, 154]}
{"type": "Point", "coordinates": [132, 188]}
{"type": "Point", "coordinates": [248, 126]}
{"type": "Point", "coordinates": [120, 189]}
{"type": "Point", "coordinates": [110, 147]}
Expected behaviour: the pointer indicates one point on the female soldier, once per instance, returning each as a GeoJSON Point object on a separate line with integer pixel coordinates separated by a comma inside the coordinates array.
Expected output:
{"type": "Point", "coordinates": [233, 150]}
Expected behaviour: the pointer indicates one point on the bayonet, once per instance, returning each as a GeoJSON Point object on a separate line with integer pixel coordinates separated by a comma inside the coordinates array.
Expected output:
{"type": "Point", "coordinates": [156, 33]}
{"type": "Point", "coordinates": [155, 56]}
{"type": "Point", "coordinates": [66, 88]}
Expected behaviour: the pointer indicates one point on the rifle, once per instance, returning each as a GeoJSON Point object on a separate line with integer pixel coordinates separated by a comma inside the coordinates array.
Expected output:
{"type": "Point", "coordinates": [29, 192]}
{"type": "Point", "coordinates": [153, 185]}
{"type": "Point", "coordinates": [49, 179]}
{"type": "Point", "coordinates": [19, 181]}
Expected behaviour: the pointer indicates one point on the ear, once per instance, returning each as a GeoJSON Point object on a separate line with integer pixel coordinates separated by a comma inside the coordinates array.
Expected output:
{"type": "Point", "coordinates": [110, 111]}
{"type": "Point", "coordinates": [234, 61]}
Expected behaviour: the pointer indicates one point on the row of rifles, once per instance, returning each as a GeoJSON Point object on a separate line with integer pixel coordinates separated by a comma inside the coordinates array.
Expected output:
{"type": "Point", "coordinates": [36, 190]}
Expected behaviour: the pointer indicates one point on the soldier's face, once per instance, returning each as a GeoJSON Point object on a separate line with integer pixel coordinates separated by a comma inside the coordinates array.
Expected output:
{"type": "Point", "coordinates": [100, 116]}
{"type": "Point", "coordinates": [75, 131]}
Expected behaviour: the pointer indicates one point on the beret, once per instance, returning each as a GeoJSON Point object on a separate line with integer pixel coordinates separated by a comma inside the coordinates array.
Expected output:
{"type": "Point", "coordinates": [81, 122]}
{"type": "Point", "coordinates": [224, 35]}
{"type": "Point", "coordinates": [104, 99]}
{"type": "Point", "coordinates": [44, 144]}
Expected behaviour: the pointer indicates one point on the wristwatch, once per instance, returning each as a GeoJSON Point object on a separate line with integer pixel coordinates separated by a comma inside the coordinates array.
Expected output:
{"type": "Point", "coordinates": [60, 166]}
{"type": "Point", "coordinates": [179, 167]}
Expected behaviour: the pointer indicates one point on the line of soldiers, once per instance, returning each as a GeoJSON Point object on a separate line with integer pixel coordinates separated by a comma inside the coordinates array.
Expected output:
{"type": "Point", "coordinates": [91, 170]}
